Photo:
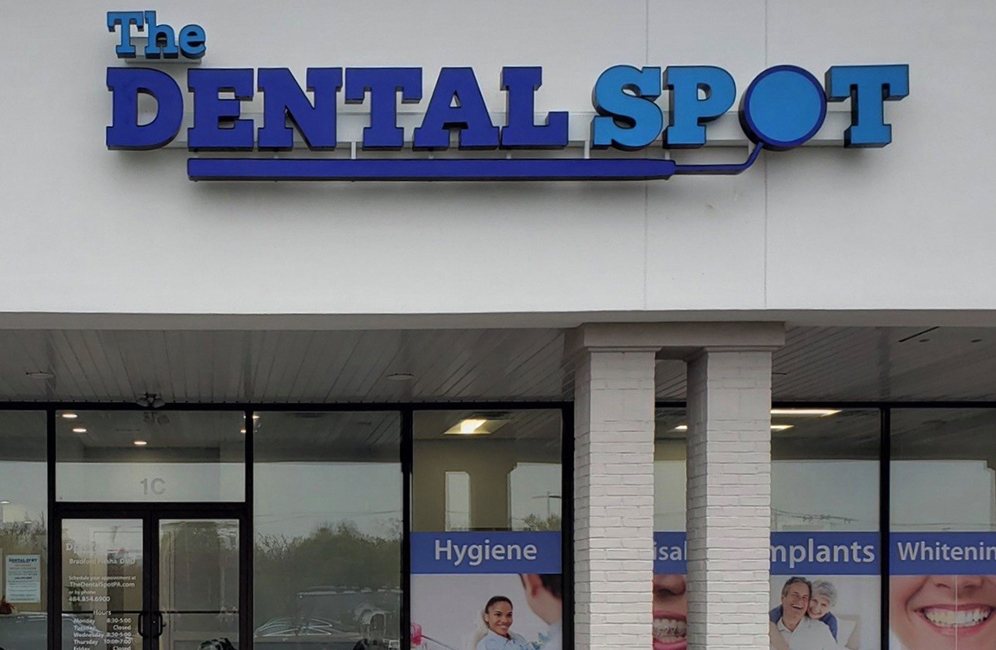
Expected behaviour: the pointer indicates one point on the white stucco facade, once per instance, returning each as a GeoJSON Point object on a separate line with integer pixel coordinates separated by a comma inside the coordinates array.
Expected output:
{"type": "Point", "coordinates": [906, 227]}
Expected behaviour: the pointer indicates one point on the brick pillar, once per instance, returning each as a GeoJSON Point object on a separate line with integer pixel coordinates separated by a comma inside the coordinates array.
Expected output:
{"type": "Point", "coordinates": [613, 497]}
{"type": "Point", "coordinates": [729, 498]}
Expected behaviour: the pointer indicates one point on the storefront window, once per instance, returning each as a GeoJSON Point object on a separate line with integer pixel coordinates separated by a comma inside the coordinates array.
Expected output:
{"type": "Point", "coordinates": [824, 483]}
{"type": "Point", "coordinates": [328, 518]}
{"type": "Point", "coordinates": [943, 542]}
{"type": "Point", "coordinates": [150, 456]}
{"type": "Point", "coordinates": [23, 530]}
{"type": "Point", "coordinates": [486, 520]}
{"type": "Point", "coordinates": [670, 597]}
{"type": "Point", "coordinates": [825, 559]}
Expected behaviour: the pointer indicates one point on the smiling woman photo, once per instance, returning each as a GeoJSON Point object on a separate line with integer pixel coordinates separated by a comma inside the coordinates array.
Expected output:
{"type": "Point", "coordinates": [943, 612]}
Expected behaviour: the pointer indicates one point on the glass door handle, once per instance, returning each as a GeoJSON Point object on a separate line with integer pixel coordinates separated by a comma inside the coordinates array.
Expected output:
{"type": "Point", "coordinates": [160, 624]}
{"type": "Point", "coordinates": [141, 624]}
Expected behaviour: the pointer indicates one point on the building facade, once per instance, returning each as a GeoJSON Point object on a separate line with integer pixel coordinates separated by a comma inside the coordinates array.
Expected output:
{"type": "Point", "coordinates": [456, 325]}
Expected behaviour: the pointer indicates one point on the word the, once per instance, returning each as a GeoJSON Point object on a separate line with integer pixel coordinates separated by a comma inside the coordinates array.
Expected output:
{"type": "Point", "coordinates": [163, 42]}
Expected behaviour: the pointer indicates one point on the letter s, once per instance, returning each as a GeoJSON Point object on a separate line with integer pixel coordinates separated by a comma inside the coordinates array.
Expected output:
{"type": "Point", "coordinates": [627, 120]}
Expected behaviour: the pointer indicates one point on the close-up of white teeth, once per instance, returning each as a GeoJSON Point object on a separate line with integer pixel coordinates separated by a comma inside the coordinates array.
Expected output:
{"type": "Point", "coordinates": [957, 618]}
{"type": "Point", "coordinates": [670, 629]}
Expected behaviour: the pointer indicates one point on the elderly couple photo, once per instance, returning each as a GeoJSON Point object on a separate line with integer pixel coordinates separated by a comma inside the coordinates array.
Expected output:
{"type": "Point", "coordinates": [804, 619]}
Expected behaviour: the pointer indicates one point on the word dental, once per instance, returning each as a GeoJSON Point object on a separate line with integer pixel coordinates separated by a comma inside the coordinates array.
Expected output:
{"type": "Point", "coordinates": [476, 554]}
{"type": "Point", "coordinates": [782, 108]}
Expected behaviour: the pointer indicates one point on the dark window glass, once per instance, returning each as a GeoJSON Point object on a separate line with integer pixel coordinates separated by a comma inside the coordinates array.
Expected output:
{"type": "Point", "coordinates": [943, 517]}
{"type": "Point", "coordinates": [23, 530]}
{"type": "Point", "coordinates": [670, 595]}
{"type": "Point", "coordinates": [328, 526]}
{"type": "Point", "coordinates": [825, 526]}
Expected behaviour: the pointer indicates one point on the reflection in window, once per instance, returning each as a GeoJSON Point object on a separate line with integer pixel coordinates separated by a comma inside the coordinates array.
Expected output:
{"type": "Point", "coordinates": [669, 586]}
{"type": "Point", "coordinates": [512, 461]}
{"type": "Point", "coordinates": [943, 511]}
{"type": "Point", "coordinates": [486, 519]}
{"type": "Point", "coordinates": [824, 505]}
{"type": "Point", "coordinates": [328, 519]}
{"type": "Point", "coordinates": [23, 530]}
{"type": "Point", "coordinates": [457, 500]}
{"type": "Point", "coordinates": [150, 456]}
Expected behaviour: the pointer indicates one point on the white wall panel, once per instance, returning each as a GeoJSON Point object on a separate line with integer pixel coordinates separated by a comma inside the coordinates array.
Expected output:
{"type": "Point", "coordinates": [89, 230]}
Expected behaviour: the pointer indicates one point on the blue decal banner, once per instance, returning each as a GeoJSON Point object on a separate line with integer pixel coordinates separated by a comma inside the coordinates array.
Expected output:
{"type": "Point", "coordinates": [949, 553]}
{"type": "Point", "coordinates": [823, 553]}
{"type": "Point", "coordinates": [670, 553]}
{"type": "Point", "coordinates": [493, 552]}
{"type": "Point", "coordinates": [792, 553]}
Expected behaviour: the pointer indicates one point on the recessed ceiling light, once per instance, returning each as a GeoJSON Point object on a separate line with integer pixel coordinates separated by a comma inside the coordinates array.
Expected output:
{"type": "Point", "coordinates": [70, 416]}
{"type": "Point", "coordinates": [79, 429]}
{"type": "Point", "coordinates": [400, 376]}
{"type": "Point", "coordinates": [139, 443]}
{"type": "Point", "coordinates": [40, 375]}
{"type": "Point", "coordinates": [774, 427]}
{"type": "Point", "coordinates": [474, 427]}
{"type": "Point", "coordinates": [255, 416]}
{"type": "Point", "coordinates": [4, 502]}
{"type": "Point", "coordinates": [243, 431]}
{"type": "Point", "coordinates": [805, 412]}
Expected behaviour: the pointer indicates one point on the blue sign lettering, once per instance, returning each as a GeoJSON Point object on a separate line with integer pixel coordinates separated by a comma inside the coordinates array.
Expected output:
{"type": "Point", "coordinates": [782, 108]}
{"type": "Point", "coordinates": [494, 552]}
{"type": "Point", "coordinates": [384, 85]}
{"type": "Point", "coordinates": [868, 86]}
{"type": "Point", "coordinates": [285, 99]}
{"type": "Point", "coordinates": [456, 103]}
{"type": "Point", "coordinates": [521, 132]}
{"type": "Point", "coordinates": [162, 38]}
{"type": "Point", "coordinates": [689, 113]}
{"type": "Point", "coordinates": [125, 132]}
{"type": "Point", "coordinates": [624, 99]}
{"type": "Point", "coordinates": [216, 124]}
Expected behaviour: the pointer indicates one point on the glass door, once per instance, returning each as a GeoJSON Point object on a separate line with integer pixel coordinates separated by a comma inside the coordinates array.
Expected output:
{"type": "Point", "coordinates": [104, 600]}
{"type": "Point", "coordinates": [198, 593]}
{"type": "Point", "coordinates": [149, 578]}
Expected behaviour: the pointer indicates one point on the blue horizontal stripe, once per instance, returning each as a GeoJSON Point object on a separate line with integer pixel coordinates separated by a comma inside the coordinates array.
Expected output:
{"type": "Point", "coordinates": [497, 169]}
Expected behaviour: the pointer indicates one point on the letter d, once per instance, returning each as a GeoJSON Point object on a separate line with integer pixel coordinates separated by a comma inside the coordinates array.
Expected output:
{"type": "Point", "coordinates": [125, 132]}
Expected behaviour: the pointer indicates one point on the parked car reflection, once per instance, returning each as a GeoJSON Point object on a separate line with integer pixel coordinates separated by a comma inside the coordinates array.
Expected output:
{"type": "Point", "coordinates": [330, 618]}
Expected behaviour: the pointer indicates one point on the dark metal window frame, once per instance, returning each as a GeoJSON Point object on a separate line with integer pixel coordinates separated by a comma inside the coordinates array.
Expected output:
{"type": "Point", "coordinates": [243, 510]}
{"type": "Point", "coordinates": [407, 410]}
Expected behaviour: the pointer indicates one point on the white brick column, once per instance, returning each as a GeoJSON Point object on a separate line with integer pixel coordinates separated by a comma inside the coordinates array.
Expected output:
{"type": "Point", "coordinates": [729, 497]}
{"type": "Point", "coordinates": [613, 497]}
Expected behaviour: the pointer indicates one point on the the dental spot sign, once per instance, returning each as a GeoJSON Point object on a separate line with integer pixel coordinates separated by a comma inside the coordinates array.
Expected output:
{"type": "Point", "coordinates": [783, 107]}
